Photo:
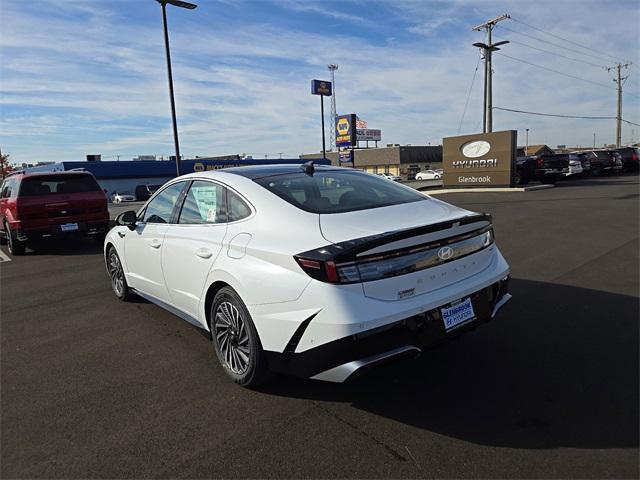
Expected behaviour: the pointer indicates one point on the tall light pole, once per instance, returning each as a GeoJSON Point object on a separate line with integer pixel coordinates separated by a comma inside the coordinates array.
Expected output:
{"type": "Point", "coordinates": [334, 113]}
{"type": "Point", "coordinates": [488, 49]}
{"type": "Point", "coordinates": [188, 6]}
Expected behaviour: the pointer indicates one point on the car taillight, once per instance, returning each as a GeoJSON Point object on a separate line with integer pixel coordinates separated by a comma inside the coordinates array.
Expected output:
{"type": "Point", "coordinates": [634, 157]}
{"type": "Point", "coordinates": [539, 162]}
{"type": "Point", "coordinates": [325, 271]}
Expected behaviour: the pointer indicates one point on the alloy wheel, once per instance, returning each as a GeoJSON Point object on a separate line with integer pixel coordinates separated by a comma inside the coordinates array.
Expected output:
{"type": "Point", "coordinates": [232, 337]}
{"type": "Point", "coordinates": [116, 273]}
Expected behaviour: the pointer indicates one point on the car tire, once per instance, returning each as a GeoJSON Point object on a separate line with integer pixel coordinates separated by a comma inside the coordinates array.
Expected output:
{"type": "Point", "coordinates": [236, 340]}
{"type": "Point", "coordinates": [596, 172]}
{"type": "Point", "coordinates": [116, 274]}
{"type": "Point", "coordinates": [16, 247]}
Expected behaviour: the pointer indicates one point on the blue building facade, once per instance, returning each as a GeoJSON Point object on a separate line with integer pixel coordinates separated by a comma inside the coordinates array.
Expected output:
{"type": "Point", "coordinates": [123, 177]}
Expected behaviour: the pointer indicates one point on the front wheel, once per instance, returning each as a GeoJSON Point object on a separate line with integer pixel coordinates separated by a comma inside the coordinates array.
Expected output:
{"type": "Point", "coordinates": [236, 340]}
{"type": "Point", "coordinates": [116, 273]}
{"type": "Point", "coordinates": [596, 172]}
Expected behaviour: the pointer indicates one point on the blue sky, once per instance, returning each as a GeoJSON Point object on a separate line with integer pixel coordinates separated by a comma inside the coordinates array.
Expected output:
{"type": "Point", "coordinates": [89, 76]}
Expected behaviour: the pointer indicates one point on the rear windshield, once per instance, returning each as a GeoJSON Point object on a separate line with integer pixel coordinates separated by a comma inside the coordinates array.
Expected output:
{"type": "Point", "coordinates": [338, 191]}
{"type": "Point", "coordinates": [58, 184]}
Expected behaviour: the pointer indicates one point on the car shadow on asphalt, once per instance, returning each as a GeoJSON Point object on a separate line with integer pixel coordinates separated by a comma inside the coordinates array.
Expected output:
{"type": "Point", "coordinates": [557, 368]}
{"type": "Point", "coordinates": [70, 246]}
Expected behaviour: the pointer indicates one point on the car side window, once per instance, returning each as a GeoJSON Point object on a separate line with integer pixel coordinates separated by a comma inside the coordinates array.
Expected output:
{"type": "Point", "coordinates": [7, 188]}
{"type": "Point", "coordinates": [204, 204]}
{"type": "Point", "coordinates": [159, 210]}
{"type": "Point", "coordinates": [237, 209]}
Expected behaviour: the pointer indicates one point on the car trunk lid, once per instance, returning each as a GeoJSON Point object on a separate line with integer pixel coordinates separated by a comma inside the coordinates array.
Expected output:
{"type": "Point", "coordinates": [394, 251]}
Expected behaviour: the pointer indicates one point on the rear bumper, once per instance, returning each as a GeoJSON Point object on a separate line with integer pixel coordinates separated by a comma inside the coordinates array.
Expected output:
{"type": "Point", "coordinates": [338, 360]}
{"type": "Point", "coordinates": [28, 233]}
{"type": "Point", "coordinates": [549, 172]}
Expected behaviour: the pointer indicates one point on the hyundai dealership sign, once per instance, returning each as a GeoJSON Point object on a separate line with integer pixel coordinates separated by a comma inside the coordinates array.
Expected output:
{"type": "Point", "coordinates": [481, 160]}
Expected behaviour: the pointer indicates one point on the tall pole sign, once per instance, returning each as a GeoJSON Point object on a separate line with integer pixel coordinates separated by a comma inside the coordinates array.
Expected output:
{"type": "Point", "coordinates": [323, 89]}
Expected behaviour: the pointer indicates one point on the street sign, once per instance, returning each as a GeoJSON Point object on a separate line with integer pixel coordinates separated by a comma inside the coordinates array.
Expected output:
{"type": "Point", "coordinates": [321, 87]}
{"type": "Point", "coordinates": [346, 130]}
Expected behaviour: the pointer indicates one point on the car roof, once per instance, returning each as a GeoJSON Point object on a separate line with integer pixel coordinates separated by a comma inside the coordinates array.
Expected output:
{"type": "Point", "coordinates": [25, 174]}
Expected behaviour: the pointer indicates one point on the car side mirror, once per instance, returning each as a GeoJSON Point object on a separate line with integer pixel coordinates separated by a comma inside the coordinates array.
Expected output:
{"type": "Point", "coordinates": [127, 219]}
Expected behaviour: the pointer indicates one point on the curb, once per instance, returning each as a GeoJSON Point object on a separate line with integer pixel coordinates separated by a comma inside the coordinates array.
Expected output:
{"type": "Point", "coordinates": [488, 190]}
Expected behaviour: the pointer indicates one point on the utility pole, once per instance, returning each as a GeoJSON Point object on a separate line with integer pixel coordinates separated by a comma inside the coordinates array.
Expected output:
{"type": "Point", "coordinates": [619, 80]}
{"type": "Point", "coordinates": [488, 49]}
{"type": "Point", "coordinates": [332, 68]}
{"type": "Point", "coordinates": [526, 145]}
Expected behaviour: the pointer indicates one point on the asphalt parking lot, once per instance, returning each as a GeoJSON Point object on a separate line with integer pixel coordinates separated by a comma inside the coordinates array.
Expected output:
{"type": "Point", "coordinates": [93, 387]}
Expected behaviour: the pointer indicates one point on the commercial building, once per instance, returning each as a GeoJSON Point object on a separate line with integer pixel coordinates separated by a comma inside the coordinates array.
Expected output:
{"type": "Point", "coordinates": [402, 160]}
{"type": "Point", "coordinates": [126, 175]}
{"type": "Point", "coordinates": [534, 150]}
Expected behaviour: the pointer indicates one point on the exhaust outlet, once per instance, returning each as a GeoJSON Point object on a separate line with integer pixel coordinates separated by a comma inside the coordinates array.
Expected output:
{"type": "Point", "coordinates": [342, 372]}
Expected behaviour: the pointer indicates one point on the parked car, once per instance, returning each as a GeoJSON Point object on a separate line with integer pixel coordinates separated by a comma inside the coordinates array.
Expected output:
{"type": "Point", "coordinates": [630, 158]}
{"type": "Point", "coordinates": [389, 176]}
{"type": "Point", "coordinates": [359, 271]}
{"type": "Point", "coordinates": [603, 162]}
{"type": "Point", "coordinates": [120, 197]}
{"type": "Point", "coordinates": [544, 168]}
{"type": "Point", "coordinates": [144, 192]}
{"type": "Point", "coordinates": [551, 168]}
{"type": "Point", "coordinates": [428, 175]}
{"type": "Point", "coordinates": [583, 159]}
{"type": "Point", "coordinates": [36, 206]}
{"type": "Point", "coordinates": [575, 167]}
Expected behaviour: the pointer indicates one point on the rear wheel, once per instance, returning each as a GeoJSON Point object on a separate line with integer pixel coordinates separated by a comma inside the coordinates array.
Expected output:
{"type": "Point", "coordinates": [16, 247]}
{"type": "Point", "coordinates": [116, 273]}
{"type": "Point", "coordinates": [596, 171]}
{"type": "Point", "coordinates": [236, 340]}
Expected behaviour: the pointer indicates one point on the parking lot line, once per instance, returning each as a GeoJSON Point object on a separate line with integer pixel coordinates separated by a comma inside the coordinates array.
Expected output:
{"type": "Point", "coordinates": [4, 257]}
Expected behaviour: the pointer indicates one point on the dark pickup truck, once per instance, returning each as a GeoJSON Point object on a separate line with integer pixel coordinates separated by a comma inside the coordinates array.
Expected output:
{"type": "Point", "coordinates": [603, 162]}
{"type": "Point", "coordinates": [544, 168]}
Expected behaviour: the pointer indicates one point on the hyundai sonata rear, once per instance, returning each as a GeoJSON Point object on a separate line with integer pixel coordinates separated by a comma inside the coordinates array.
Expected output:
{"type": "Point", "coordinates": [315, 272]}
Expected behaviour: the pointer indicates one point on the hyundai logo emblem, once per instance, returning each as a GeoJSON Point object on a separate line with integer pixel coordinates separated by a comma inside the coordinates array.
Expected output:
{"type": "Point", "coordinates": [445, 253]}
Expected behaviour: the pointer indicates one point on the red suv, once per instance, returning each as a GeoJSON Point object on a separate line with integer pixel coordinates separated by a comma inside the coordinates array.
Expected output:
{"type": "Point", "coordinates": [36, 206]}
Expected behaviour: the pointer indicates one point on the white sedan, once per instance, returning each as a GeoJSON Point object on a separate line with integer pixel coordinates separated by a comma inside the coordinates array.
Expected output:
{"type": "Point", "coordinates": [311, 271]}
{"type": "Point", "coordinates": [389, 176]}
{"type": "Point", "coordinates": [428, 175]}
{"type": "Point", "coordinates": [119, 197]}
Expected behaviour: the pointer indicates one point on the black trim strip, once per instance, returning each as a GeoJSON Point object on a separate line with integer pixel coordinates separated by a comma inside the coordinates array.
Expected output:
{"type": "Point", "coordinates": [297, 336]}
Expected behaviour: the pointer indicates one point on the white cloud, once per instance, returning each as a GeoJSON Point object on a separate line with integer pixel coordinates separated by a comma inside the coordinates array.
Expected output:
{"type": "Point", "coordinates": [103, 88]}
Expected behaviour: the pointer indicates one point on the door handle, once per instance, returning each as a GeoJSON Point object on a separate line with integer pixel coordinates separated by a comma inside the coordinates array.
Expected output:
{"type": "Point", "coordinates": [155, 243]}
{"type": "Point", "coordinates": [204, 253]}
{"type": "Point", "coordinates": [122, 234]}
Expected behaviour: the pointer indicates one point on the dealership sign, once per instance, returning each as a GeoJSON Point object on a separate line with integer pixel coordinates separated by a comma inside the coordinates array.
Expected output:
{"type": "Point", "coordinates": [346, 130]}
{"type": "Point", "coordinates": [368, 134]}
{"type": "Point", "coordinates": [484, 159]}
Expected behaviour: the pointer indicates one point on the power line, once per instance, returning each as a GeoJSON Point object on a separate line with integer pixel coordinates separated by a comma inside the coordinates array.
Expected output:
{"type": "Point", "coordinates": [555, 44]}
{"type": "Point", "coordinates": [561, 38]}
{"type": "Point", "coordinates": [555, 71]}
{"type": "Point", "coordinates": [466, 103]}
{"type": "Point", "coordinates": [557, 54]}
{"type": "Point", "coordinates": [588, 117]}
